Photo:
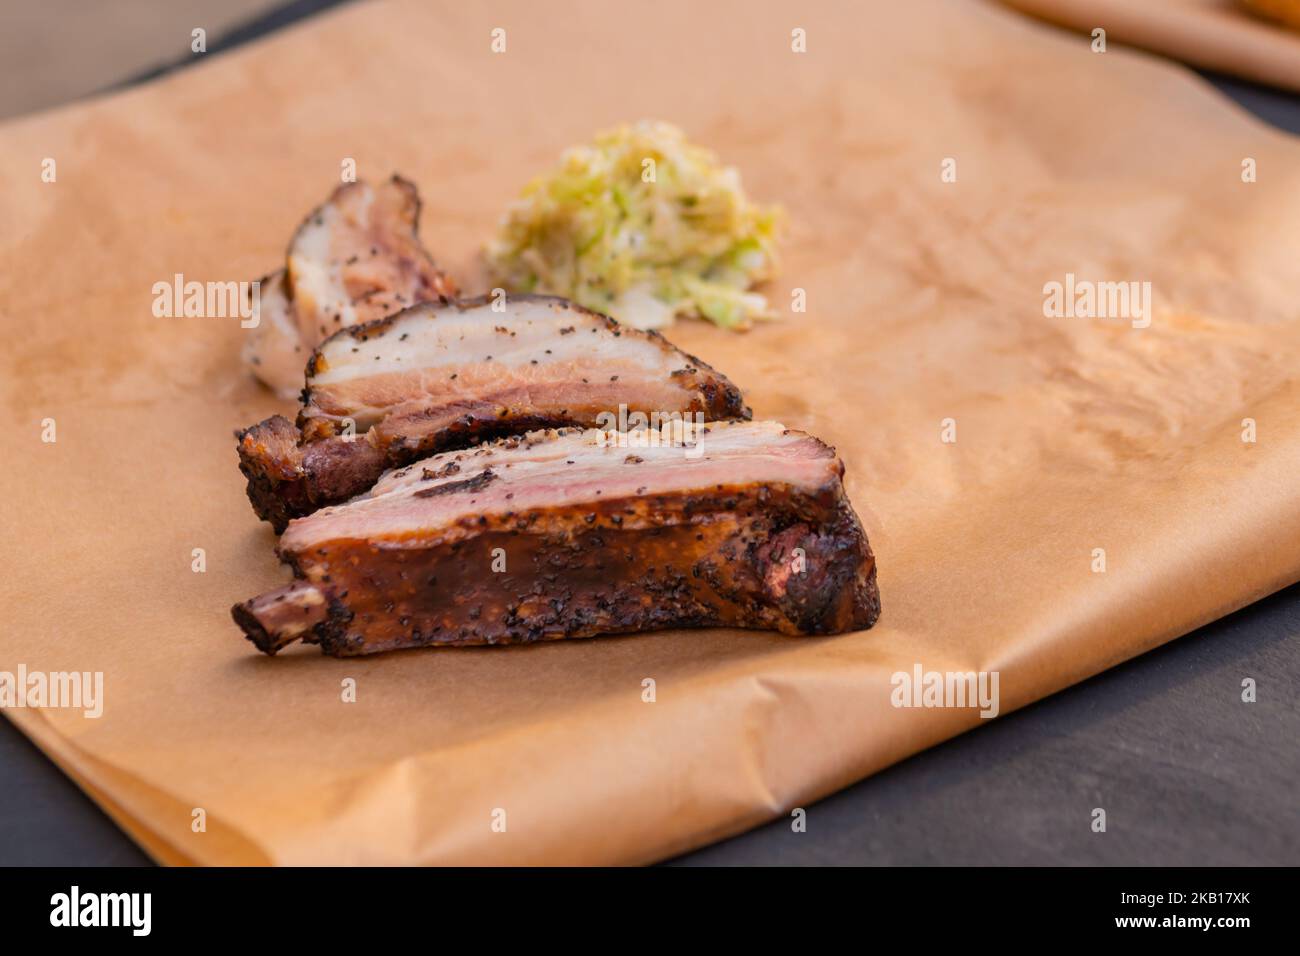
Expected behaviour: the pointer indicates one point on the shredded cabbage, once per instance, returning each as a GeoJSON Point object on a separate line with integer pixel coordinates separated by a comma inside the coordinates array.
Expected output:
{"type": "Point", "coordinates": [643, 226]}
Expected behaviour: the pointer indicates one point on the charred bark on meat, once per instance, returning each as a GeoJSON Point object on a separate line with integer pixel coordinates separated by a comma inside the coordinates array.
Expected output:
{"type": "Point", "coordinates": [765, 557]}
{"type": "Point", "coordinates": [295, 468]}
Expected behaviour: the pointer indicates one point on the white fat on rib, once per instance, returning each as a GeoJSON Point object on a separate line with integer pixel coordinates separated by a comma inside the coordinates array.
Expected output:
{"type": "Point", "coordinates": [440, 336]}
{"type": "Point", "coordinates": [274, 346]}
{"type": "Point", "coordinates": [572, 469]}
{"type": "Point", "coordinates": [315, 265]}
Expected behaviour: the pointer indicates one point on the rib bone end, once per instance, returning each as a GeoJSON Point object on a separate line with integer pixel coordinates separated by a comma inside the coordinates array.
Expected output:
{"type": "Point", "coordinates": [278, 618]}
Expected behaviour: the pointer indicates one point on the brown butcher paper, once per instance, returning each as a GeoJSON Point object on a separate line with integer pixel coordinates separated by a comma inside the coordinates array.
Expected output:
{"type": "Point", "coordinates": [1226, 36]}
{"type": "Point", "coordinates": [1047, 493]}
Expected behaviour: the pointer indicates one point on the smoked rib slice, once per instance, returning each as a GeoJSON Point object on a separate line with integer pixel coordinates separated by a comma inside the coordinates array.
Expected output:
{"type": "Point", "coordinates": [573, 533]}
{"type": "Point", "coordinates": [442, 376]}
{"type": "Point", "coordinates": [356, 258]}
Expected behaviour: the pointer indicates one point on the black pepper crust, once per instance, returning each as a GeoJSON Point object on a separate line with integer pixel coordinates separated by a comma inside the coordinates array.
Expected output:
{"type": "Point", "coordinates": [719, 397]}
{"type": "Point", "coordinates": [756, 557]}
{"type": "Point", "coordinates": [288, 479]}
{"type": "Point", "coordinates": [293, 469]}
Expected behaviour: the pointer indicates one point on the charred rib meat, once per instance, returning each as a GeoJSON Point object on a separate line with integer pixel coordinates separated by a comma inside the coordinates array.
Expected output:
{"type": "Point", "coordinates": [356, 258]}
{"type": "Point", "coordinates": [447, 375]}
{"type": "Point", "coordinates": [572, 533]}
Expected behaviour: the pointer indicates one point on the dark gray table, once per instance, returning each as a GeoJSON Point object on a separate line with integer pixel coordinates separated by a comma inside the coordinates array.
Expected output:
{"type": "Point", "coordinates": [1187, 772]}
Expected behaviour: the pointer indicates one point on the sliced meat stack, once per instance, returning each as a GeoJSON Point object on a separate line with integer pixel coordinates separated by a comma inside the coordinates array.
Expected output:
{"type": "Point", "coordinates": [573, 533]}
{"type": "Point", "coordinates": [356, 258]}
{"type": "Point", "coordinates": [493, 471]}
{"type": "Point", "coordinates": [448, 375]}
